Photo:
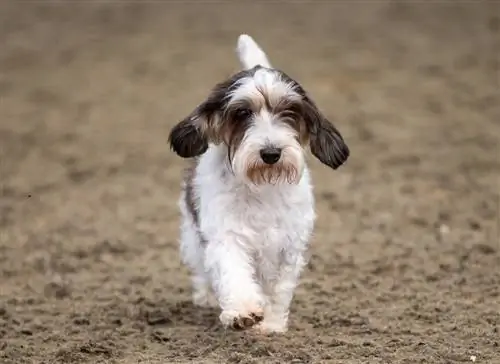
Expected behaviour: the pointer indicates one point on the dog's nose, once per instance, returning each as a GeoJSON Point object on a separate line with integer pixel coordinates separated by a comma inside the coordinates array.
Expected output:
{"type": "Point", "coordinates": [270, 155]}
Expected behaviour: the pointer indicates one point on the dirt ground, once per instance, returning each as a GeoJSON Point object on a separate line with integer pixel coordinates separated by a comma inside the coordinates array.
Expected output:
{"type": "Point", "coordinates": [406, 254]}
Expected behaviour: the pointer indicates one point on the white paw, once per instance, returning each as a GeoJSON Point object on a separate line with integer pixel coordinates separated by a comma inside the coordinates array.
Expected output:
{"type": "Point", "coordinates": [241, 320]}
{"type": "Point", "coordinates": [269, 327]}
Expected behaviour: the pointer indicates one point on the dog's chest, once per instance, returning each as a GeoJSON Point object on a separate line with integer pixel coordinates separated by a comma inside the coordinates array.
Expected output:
{"type": "Point", "coordinates": [276, 219]}
{"type": "Point", "coordinates": [268, 219]}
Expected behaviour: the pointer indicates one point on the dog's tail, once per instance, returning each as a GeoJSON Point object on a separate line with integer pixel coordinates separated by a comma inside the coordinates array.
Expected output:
{"type": "Point", "coordinates": [250, 54]}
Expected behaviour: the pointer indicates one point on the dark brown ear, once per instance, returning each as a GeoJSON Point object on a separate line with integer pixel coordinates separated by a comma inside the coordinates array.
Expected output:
{"type": "Point", "coordinates": [190, 137]}
{"type": "Point", "coordinates": [325, 141]}
{"type": "Point", "coordinates": [187, 138]}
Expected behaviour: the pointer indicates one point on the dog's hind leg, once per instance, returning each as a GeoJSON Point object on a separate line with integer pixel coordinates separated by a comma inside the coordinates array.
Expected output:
{"type": "Point", "coordinates": [192, 251]}
{"type": "Point", "coordinates": [202, 291]}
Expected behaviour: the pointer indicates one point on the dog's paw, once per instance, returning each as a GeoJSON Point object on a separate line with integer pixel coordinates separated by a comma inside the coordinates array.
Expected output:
{"type": "Point", "coordinates": [241, 320]}
{"type": "Point", "coordinates": [270, 327]}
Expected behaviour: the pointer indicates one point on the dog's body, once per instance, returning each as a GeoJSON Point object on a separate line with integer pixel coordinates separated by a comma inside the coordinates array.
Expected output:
{"type": "Point", "coordinates": [248, 244]}
{"type": "Point", "coordinates": [247, 203]}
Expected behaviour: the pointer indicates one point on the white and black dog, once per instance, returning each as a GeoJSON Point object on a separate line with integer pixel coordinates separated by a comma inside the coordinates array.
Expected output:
{"type": "Point", "coordinates": [247, 203]}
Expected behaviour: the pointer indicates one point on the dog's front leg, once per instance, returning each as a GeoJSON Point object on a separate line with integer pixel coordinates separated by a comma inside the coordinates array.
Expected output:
{"type": "Point", "coordinates": [232, 274]}
{"type": "Point", "coordinates": [277, 311]}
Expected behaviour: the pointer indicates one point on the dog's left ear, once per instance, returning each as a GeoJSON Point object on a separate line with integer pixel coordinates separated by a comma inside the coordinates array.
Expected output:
{"type": "Point", "coordinates": [325, 140]}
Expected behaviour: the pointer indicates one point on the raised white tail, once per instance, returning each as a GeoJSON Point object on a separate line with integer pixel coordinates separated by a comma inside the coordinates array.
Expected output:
{"type": "Point", "coordinates": [250, 54]}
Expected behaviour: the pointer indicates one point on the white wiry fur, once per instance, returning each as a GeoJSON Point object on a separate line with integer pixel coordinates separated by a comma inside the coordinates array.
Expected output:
{"type": "Point", "coordinates": [255, 243]}
{"type": "Point", "coordinates": [250, 54]}
{"type": "Point", "coordinates": [244, 236]}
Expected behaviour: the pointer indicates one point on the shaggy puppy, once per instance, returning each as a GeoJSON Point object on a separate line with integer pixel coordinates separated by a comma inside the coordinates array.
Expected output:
{"type": "Point", "coordinates": [247, 204]}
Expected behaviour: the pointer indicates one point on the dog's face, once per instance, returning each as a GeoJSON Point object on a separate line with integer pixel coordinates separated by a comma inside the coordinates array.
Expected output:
{"type": "Point", "coordinates": [266, 120]}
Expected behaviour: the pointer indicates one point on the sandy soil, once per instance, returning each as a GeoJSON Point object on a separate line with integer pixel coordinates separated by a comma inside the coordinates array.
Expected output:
{"type": "Point", "coordinates": [406, 255]}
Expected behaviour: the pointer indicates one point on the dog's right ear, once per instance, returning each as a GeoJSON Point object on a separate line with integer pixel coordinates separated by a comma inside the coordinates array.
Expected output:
{"type": "Point", "coordinates": [190, 137]}
{"type": "Point", "coordinates": [187, 138]}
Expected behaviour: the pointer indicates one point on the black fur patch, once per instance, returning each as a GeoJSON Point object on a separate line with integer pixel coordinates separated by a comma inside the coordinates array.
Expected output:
{"type": "Point", "coordinates": [187, 140]}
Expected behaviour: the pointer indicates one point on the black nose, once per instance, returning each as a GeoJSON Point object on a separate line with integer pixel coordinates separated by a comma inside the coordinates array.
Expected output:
{"type": "Point", "coordinates": [270, 155]}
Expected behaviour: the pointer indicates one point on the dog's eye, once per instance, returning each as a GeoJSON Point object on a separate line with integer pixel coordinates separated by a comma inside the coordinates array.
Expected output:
{"type": "Point", "coordinates": [242, 114]}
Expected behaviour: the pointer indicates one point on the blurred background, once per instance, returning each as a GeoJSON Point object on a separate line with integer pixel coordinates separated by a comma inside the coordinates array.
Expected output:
{"type": "Point", "coordinates": [404, 262]}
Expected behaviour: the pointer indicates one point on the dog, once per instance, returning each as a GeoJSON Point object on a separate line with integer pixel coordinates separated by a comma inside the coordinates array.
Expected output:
{"type": "Point", "coordinates": [247, 203]}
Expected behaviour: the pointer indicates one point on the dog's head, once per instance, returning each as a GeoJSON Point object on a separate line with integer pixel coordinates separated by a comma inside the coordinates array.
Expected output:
{"type": "Point", "coordinates": [265, 119]}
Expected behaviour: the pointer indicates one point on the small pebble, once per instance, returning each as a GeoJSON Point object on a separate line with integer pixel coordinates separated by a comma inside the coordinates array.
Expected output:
{"type": "Point", "coordinates": [444, 229]}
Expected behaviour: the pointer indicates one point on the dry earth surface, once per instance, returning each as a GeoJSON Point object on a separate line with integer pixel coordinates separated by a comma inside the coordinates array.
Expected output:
{"type": "Point", "coordinates": [406, 256]}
